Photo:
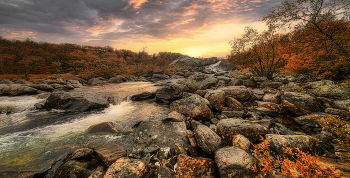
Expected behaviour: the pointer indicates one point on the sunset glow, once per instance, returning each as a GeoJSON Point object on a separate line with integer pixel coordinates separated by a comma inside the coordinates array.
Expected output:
{"type": "Point", "coordinates": [196, 28]}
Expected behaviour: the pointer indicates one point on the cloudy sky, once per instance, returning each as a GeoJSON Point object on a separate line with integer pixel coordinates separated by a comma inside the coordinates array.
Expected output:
{"type": "Point", "coordinates": [192, 27]}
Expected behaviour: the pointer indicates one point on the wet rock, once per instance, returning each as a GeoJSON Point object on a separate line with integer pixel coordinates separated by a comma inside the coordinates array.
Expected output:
{"type": "Point", "coordinates": [200, 82]}
{"type": "Point", "coordinates": [277, 108]}
{"type": "Point", "coordinates": [194, 106]}
{"type": "Point", "coordinates": [174, 117]}
{"type": "Point", "coordinates": [228, 128]}
{"type": "Point", "coordinates": [82, 153]}
{"type": "Point", "coordinates": [241, 142]}
{"type": "Point", "coordinates": [110, 153]}
{"type": "Point", "coordinates": [309, 122]}
{"type": "Point", "coordinates": [161, 134]}
{"type": "Point", "coordinates": [75, 102]}
{"type": "Point", "coordinates": [96, 81]}
{"type": "Point", "coordinates": [207, 139]}
{"type": "Point", "coordinates": [125, 167]}
{"type": "Point", "coordinates": [117, 79]}
{"type": "Point", "coordinates": [193, 167]}
{"type": "Point", "coordinates": [233, 103]}
{"type": "Point", "coordinates": [273, 98]}
{"type": "Point", "coordinates": [238, 92]}
{"type": "Point", "coordinates": [168, 94]}
{"type": "Point", "coordinates": [216, 98]}
{"type": "Point", "coordinates": [279, 143]}
{"type": "Point", "coordinates": [16, 90]}
{"type": "Point", "coordinates": [143, 96]}
{"type": "Point", "coordinates": [73, 168]}
{"type": "Point", "coordinates": [234, 162]}
{"type": "Point", "coordinates": [259, 79]}
{"type": "Point", "coordinates": [301, 103]}
{"type": "Point", "coordinates": [107, 127]}
{"type": "Point", "coordinates": [39, 105]}
{"type": "Point", "coordinates": [43, 87]}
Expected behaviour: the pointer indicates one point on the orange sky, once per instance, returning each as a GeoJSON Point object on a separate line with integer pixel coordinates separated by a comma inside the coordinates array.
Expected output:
{"type": "Point", "coordinates": [193, 27]}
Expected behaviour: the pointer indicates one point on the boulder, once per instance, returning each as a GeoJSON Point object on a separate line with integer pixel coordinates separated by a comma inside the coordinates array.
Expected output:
{"type": "Point", "coordinates": [340, 112]}
{"type": "Point", "coordinates": [250, 83]}
{"type": "Point", "coordinates": [265, 111]}
{"type": "Point", "coordinates": [228, 128]}
{"type": "Point", "coordinates": [258, 93]}
{"type": "Point", "coordinates": [160, 76]}
{"type": "Point", "coordinates": [174, 117]}
{"type": "Point", "coordinates": [231, 114]}
{"type": "Point", "coordinates": [273, 98]}
{"type": "Point", "coordinates": [16, 90]}
{"type": "Point", "coordinates": [234, 162]}
{"type": "Point", "coordinates": [200, 82]}
{"type": "Point", "coordinates": [327, 88]}
{"type": "Point", "coordinates": [289, 87]}
{"type": "Point", "coordinates": [43, 87]}
{"type": "Point", "coordinates": [75, 83]}
{"type": "Point", "coordinates": [235, 82]}
{"type": "Point", "coordinates": [117, 79]}
{"type": "Point", "coordinates": [125, 167]}
{"type": "Point", "coordinates": [241, 142]}
{"type": "Point", "coordinates": [270, 84]}
{"type": "Point", "coordinates": [279, 143]}
{"type": "Point", "coordinates": [342, 104]}
{"type": "Point", "coordinates": [240, 93]}
{"type": "Point", "coordinates": [207, 139]}
{"type": "Point", "coordinates": [194, 167]}
{"type": "Point", "coordinates": [143, 96]}
{"type": "Point", "coordinates": [277, 108]}
{"type": "Point", "coordinates": [107, 127]}
{"type": "Point", "coordinates": [201, 93]}
{"type": "Point", "coordinates": [193, 106]}
{"type": "Point", "coordinates": [233, 103]}
{"type": "Point", "coordinates": [72, 168]}
{"type": "Point", "coordinates": [309, 122]}
{"type": "Point", "coordinates": [75, 102]}
{"type": "Point", "coordinates": [216, 98]}
{"type": "Point", "coordinates": [301, 103]}
{"type": "Point", "coordinates": [169, 93]}
{"type": "Point", "coordinates": [82, 153]}
{"type": "Point", "coordinates": [96, 81]}
{"type": "Point", "coordinates": [110, 153]}
{"type": "Point", "coordinates": [56, 81]}
{"type": "Point", "coordinates": [164, 172]}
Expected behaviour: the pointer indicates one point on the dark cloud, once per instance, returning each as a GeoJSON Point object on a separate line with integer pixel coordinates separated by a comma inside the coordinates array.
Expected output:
{"type": "Point", "coordinates": [115, 19]}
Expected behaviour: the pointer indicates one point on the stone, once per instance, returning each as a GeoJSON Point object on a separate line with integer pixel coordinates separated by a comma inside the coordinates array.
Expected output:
{"type": "Point", "coordinates": [200, 82]}
{"type": "Point", "coordinates": [279, 143]}
{"type": "Point", "coordinates": [168, 93]}
{"type": "Point", "coordinates": [201, 92]}
{"type": "Point", "coordinates": [258, 93]}
{"type": "Point", "coordinates": [75, 83]}
{"type": "Point", "coordinates": [234, 162]}
{"type": "Point", "coordinates": [309, 122]}
{"type": "Point", "coordinates": [43, 87]}
{"type": "Point", "coordinates": [194, 167]}
{"type": "Point", "coordinates": [160, 76]}
{"type": "Point", "coordinates": [301, 103]}
{"type": "Point", "coordinates": [216, 98]}
{"type": "Point", "coordinates": [117, 79]}
{"type": "Point", "coordinates": [249, 83]}
{"type": "Point", "coordinates": [273, 98]}
{"type": "Point", "coordinates": [238, 92]}
{"type": "Point", "coordinates": [107, 127]}
{"type": "Point", "coordinates": [235, 82]}
{"type": "Point", "coordinates": [327, 88]}
{"type": "Point", "coordinates": [98, 173]}
{"type": "Point", "coordinates": [16, 90]}
{"type": "Point", "coordinates": [233, 103]}
{"type": "Point", "coordinates": [234, 113]}
{"type": "Point", "coordinates": [194, 106]}
{"type": "Point", "coordinates": [277, 108]}
{"type": "Point", "coordinates": [340, 112]}
{"type": "Point", "coordinates": [82, 153]}
{"type": "Point", "coordinates": [110, 153]}
{"type": "Point", "coordinates": [174, 117]}
{"type": "Point", "coordinates": [265, 111]}
{"type": "Point", "coordinates": [241, 142]}
{"type": "Point", "coordinates": [124, 167]}
{"type": "Point", "coordinates": [270, 84]}
{"type": "Point", "coordinates": [207, 139]}
{"type": "Point", "coordinates": [164, 172]}
{"type": "Point", "coordinates": [75, 102]}
{"type": "Point", "coordinates": [143, 96]}
{"type": "Point", "coordinates": [342, 104]}
{"type": "Point", "coordinates": [96, 81]}
{"type": "Point", "coordinates": [72, 168]}
{"type": "Point", "coordinates": [228, 128]}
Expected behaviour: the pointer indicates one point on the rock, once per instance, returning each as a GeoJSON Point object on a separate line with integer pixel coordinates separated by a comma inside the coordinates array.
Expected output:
{"type": "Point", "coordinates": [39, 105]}
{"type": "Point", "coordinates": [6, 81]}
{"type": "Point", "coordinates": [249, 83]}
{"type": "Point", "coordinates": [174, 117]}
{"type": "Point", "coordinates": [107, 127]}
{"type": "Point", "coordinates": [56, 86]}
{"type": "Point", "coordinates": [327, 88]}
{"type": "Point", "coordinates": [164, 172]}
{"type": "Point", "coordinates": [75, 83]}
{"type": "Point", "coordinates": [160, 76]}
{"type": "Point", "coordinates": [161, 134]}
{"type": "Point", "coordinates": [117, 79]}
{"type": "Point", "coordinates": [110, 153]}
{"type": "Point", "coordinates": [82, 153]}
{"type": "Point", "coordinates": [207, 139]}
{"type": "Point", "coordinates": [228, 128]}
{"type": "Point", "coordinates": [258, 93]}
{"type": "Point", "coordinates": [194, 167]}
{"type": "Point", "coordinates": [340, 112]}
{"type": "Point", "coordinates": [56, 81]}
{"type": "Point", "coordinates": [194, 106]}
{"type": "Point", "coordinates": [235, 82]}
{"type": "Point", "coordinates": [240, 93]}
{"type": "Point", "coordinates": [265, 111]}
{"type": "Point", "coordinates": [201, 93]}
{"type": "Point", "coordinates": [270, 84]}
{"type": "Point", "coordinates": [277, 108]}
{"type": "Point", "coordinates": [233, 103]}
{"type": "Point", "coordinates": [191, 138]}
{"type": "Point", "coordinates": [73, 168]}
{"type": "Point", "coordinates": [226, 65]}
{"type": "Point", "coordinates": [342, 104]}
{"type": "Point", "coordinates": [96, 81]}
{"type": "Point", "coordinates": [124, 167]}
{"type": "Point", "coordinates": [143, 96]}
{"type": "Point", "coordinates": [216, 98]}
{"type": "Point", "coordinates": [43, 87]}
{"type": "Point", "coordinates": [234, 162]}
{"type": "Point", "coordinates": [68, 87]}
{"type": "Point", "coordinates": [280, 129]}
{"type": "Point", "coordinates": [98, 173]}
{"type": "Point", "coordinates": [273, 98]}
{"type": "Point", "coordinates": [305, 143]}
{"type": "Point", "coordinates": [289, 87]}
{"type": "Point", "coordinates": [301, 103]}
{"type": "Point", "coordinates": [234, 113]}
{"type": "Point", "coordinates": [169, 93]}
{"type": "Point", "coordinates": [309, 122]}
{"type": "Point", "coordinates": [16, 90]}
{"type": "Point", "coordinates": [225, 79]}
{"type": "Point", "coordinates": [259, 79]}
{"type": "Point", "coordinates": [200, 82]}
{"type": "Point", "coordinates": [75, 102]}
{"type": "Point", "coordinates": [241, 142]}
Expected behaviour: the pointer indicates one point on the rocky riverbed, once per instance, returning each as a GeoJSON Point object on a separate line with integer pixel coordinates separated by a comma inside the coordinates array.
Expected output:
{"type": "Point", "coordinates": [201, 122]}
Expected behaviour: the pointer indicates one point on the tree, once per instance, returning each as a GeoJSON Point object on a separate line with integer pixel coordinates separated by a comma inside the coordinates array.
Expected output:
{"type": "Point", "coordinates": [300, 14]}
{"type": "Point", "coordinates": [261, 53]}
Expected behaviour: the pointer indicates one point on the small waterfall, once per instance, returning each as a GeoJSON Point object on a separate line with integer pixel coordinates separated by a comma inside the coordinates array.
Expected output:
{"type": "Point", "coordinates": [214, 67]}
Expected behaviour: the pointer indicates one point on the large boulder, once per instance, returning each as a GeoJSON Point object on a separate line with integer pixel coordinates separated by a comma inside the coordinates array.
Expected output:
{"type": "Point", "coordinates": [200, 82]}
{"type": "Point", "coordinates": [126, 167]}
{"type": "Point", "coordinates": [228, 128]}
{"type": "Point", "coordinates": [110, 153]}
{"type": "Point", "coordinates": [75, 102]}
{"type": "Point", "coordinates": [327, 88]}
{"type": "Point", "coordinates": [301, 103]}
{"type": "Point", "coordinates": [143, 96]}
{"type": "Point", "coordinates": [241, 93]}
{"type": "Point", "coordinates": [194, 167]}
{"type": "Point", "coordinates": [277, 108]}
{"type": "Point", "coordinates": [342, 104]}
{"type": "Point", "coordinates": [233, 103]}
{"type": "Point", "coordinates": [43, 87]}
{"type": "Point", "coordinates": [16, 90]}
{"type": "Point", "coordinates": [193, 106]}
{"type": "Point", "coordinates": [207, 139]}
{"type": "Point", "coordinates": [169, 93]}
{"type": "Point", "coordinates": [106, 127]}
{"type": "Point", "coordinates": [309, 122]}
{"type": "Point", "coordinates": [216, 98]}
{"type": "Point", "coordinates": [279, 143]}
{"type": "Point", "coordinates": [96, 81]}
{"type": "Point", "coordinates": [117, 79]}
{"type": "Point", "coordinates": [234, 162]}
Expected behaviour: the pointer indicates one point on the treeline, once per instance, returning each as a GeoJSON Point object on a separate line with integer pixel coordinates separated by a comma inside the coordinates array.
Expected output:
{"type": "Point", "coordinates": [318, 44]}
{"type": "Point", "coordinates": [29, 57]}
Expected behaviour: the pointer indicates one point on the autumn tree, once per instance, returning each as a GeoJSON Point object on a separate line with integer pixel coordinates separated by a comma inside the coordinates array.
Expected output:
{"type": "Point", "coordinates": [261, 53]}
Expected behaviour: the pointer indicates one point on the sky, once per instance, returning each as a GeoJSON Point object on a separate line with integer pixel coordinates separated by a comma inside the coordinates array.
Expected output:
{"type": "Point", "coordinates": [198, 28]}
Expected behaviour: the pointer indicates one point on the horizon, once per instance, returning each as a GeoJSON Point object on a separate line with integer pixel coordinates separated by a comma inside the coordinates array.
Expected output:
{"type": "Point", "coordinates": [194, 28]}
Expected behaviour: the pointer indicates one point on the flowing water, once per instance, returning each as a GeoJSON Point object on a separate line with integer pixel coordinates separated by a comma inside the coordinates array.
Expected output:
{"type": "Point", "coordinates": [29, 137]}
